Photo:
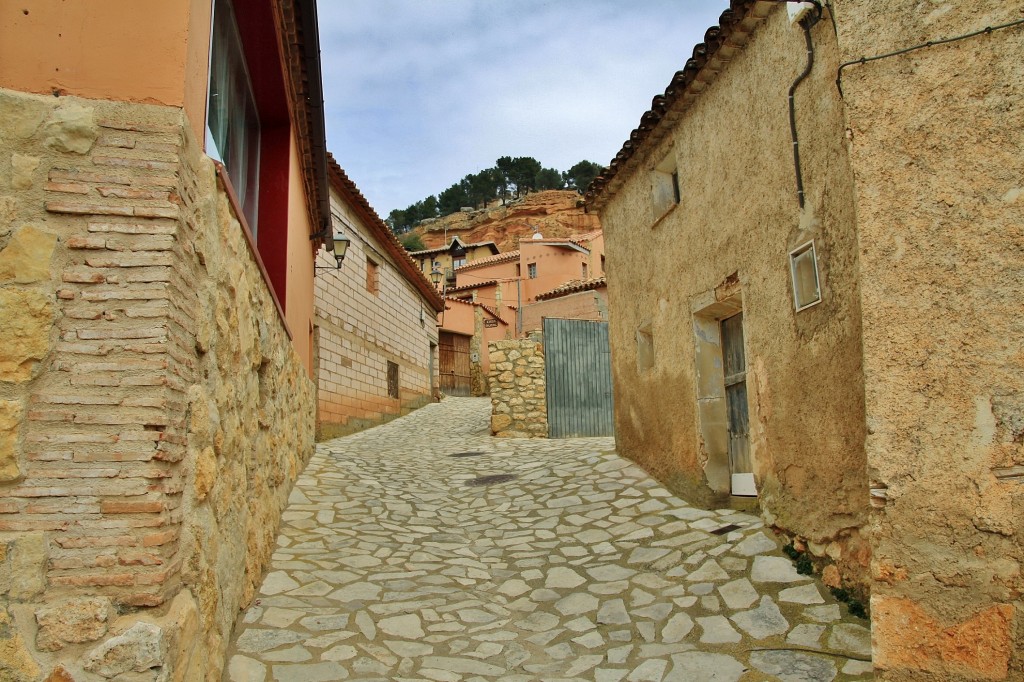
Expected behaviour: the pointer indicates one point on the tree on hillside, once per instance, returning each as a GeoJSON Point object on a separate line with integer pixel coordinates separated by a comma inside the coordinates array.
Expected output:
{"type": "Point", "coordinates": [581, 175]}
{"type": "Point", "coordinates": [452, 199]}
{"type": "Point", "coordinates": [524, 174]}
{"type": "Point", "coordinates": [412, 242]}
{"type": "Point", "coordinates": [548, 178]}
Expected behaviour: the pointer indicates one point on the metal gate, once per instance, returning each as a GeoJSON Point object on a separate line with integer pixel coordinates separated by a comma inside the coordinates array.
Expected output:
{"type": "Point", "coordinates": [453, 364]}
{"type": "Point", "coordinates": [579, 378]}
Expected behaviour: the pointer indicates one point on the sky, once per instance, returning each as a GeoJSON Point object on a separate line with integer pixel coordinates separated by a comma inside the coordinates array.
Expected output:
{"type": "Point", "coordinates": [420, 93]}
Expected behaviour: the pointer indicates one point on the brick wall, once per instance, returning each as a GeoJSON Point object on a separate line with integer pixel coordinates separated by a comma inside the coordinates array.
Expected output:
{"type": "Point", "coordinates": [360, 331]}
{"type": "Point", "coordinates": [584, 305]}
{"type": "Point", "coordinates": [153, 414]}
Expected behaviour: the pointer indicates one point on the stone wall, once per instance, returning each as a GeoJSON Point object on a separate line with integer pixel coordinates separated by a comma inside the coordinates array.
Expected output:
{"type": "Point", "coordinates": [935, 141]}
{"type": "Point", "coordinates": [518, 389]}
{"type": "Point", "coordinates": [153, 414]}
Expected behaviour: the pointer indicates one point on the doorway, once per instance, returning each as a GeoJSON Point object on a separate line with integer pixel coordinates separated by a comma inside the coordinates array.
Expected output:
{"type": "Point", "coordinates": [734, 369]}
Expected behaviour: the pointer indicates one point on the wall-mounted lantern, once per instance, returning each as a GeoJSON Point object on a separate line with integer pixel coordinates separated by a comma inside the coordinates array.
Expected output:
{"type": "Point", "coordinates": [341, 243]}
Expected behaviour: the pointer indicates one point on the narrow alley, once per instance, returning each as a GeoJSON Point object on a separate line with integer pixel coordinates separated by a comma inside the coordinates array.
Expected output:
{"type": "Point", "coordinates": [400, 559]}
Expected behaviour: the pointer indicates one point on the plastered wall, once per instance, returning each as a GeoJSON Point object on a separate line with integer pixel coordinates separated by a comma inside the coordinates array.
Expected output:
{"type": "Point", "coordinates": [725, 248]}
{"type": "Point", "coordinates": [935, 142]}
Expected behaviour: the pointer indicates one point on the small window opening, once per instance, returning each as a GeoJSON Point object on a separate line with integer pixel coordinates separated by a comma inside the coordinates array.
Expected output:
{"type": "Point", "coordinates": [803, 266]}
{"type": "Point", "coordinates": [392, 379]}
{"type": "Point", "coordinates": [531, 270]}
{"type": "Point", "coordinates": [665, 182]}
{"type": "Point", "coordinates": [372, 276]}
{"type": "Point", "coordinates": [584, 270]}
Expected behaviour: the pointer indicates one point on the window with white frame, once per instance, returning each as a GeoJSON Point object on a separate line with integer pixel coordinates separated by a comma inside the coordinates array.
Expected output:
{"type": "Point", "coordinates": [232, 123]}
{"type": "Point", "coordinates": [803, 267]}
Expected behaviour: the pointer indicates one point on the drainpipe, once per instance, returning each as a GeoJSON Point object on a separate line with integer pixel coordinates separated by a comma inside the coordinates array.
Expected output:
{"type": "Point", "coordinates": [806, 23]}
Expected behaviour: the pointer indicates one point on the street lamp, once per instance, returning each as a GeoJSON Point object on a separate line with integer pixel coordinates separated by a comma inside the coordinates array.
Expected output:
{"type": "Point", "coordinates": [341, 243]}
{"type": "Point", "coordinates": [436, 274]}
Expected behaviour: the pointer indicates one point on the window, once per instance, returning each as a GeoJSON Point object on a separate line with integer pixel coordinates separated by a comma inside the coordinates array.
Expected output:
{"type": "Point", "coordinates": [665, 183]}
{"type": "Point", "coordinates": [803, 267]}
{"type": "Point", "coordinates": [456, 262]}
{"type": "Point", "coordinates": [584, 270]}
{"type": "Point", "coordinates": [372, 276]}
{"type": "Point", "coordinates": [232, 124]}
{"type": "Point", "coordinates": [531, 270]}
{"type": "Point", "coordinates": [392, 379]}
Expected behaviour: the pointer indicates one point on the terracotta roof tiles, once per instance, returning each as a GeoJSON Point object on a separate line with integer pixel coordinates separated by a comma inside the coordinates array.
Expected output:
{"type": "Point", "coordinates": [406, 265]}
{"type": "Point", "coordinates": [708, 58]}
{"type": "Point", "coordinates": [573, 287]}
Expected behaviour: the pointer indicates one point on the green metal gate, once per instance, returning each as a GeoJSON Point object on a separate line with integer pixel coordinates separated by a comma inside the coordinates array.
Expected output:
{"type": "Point", "coordinates": [578, 366]}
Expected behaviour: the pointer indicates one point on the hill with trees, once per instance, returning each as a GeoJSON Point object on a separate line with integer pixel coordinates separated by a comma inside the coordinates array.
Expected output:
{"type": "Point", "coordinates": [554, 213]}
{"type": "Point", "coordinates": [509, 179]}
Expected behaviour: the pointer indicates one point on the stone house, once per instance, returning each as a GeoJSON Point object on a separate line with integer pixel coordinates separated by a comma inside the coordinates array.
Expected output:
{"type": "Point", "coordinates": [840, 336]}
{"type": "Point", "coordinates": [376, 331]}
{"type": "Point", "coordinates": [156, 290]}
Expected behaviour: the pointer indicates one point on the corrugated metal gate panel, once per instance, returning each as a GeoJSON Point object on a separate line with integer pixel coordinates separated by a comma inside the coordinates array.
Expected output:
{"type": "Point", "coordinates": [453, 364]}
{"type": "Point", "coordinates": [579, 378]}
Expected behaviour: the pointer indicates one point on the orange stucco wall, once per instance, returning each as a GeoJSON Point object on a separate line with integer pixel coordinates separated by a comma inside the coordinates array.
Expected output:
{"type": "Point", "coordinates": [556, 265]}
{"type": "Point", "coordinates": [115, 49]}
{"type": "Point", "coordinates": [298, 302]}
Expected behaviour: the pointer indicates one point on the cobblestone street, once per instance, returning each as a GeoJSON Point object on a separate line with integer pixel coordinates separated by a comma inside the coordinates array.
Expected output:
{"type": "Point", "coordinates": [393, 563]}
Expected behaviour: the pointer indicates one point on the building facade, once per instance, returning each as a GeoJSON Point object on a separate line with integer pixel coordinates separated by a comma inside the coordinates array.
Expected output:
{"type": "Point", "coordinates": [376, 330]}
{"type": "Point", "coordinates": [156, 289]}
{"type": "Point", "coordinates": [833, 331]}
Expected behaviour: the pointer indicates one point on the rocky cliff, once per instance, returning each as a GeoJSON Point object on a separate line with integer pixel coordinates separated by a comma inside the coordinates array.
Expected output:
{"type": "Point", "coordinates": [554, 212]}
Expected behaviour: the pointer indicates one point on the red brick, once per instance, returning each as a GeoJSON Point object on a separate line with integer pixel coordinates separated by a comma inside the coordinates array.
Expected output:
{"type": "Point", "coordinates": [9, 507]}
{"type": "Point", "coordinates": [129, 193]}
{"type": "Point", "coordinates": [18, 525]}
{"type": "Point", "coordinates": [86, 242]}
{"type": "Point", "coordinates": [100, 580]}
{"type": "Point", "coordinates": [128, 507]}
{"type": "Point", "coordinates": [157, 539]}
{"type": "Point", "coordinates": [83, 175]}
{"type": "Point", "coordinates": [142, 599]}
{"type": "Point", "coordinates": [87, 276]}
{"type": "Point", "coordinates": [87, 209]}
{"type": "Point", "coordinates": [157, 211]}
{"type": "Point", "coordinates": [67, 187]}
{"type": "Point", "coordinates": [139, 559]}
{"type": "Point", "coordinates": [130, 260]}
{"type": "Point", "coordinates": [144, 164]}
{"type": "Point", "coordinates": [79, 542]}
{"type": "Point", "coordinates": [133, 228]}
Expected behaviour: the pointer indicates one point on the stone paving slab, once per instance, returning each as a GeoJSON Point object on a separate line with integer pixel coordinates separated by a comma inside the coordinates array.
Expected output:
{"type": "Point", "coordinates": [391, 565]}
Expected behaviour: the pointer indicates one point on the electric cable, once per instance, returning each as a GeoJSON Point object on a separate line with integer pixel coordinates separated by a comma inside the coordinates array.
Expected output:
{"type": "Point", "coordinates": [913, 48]}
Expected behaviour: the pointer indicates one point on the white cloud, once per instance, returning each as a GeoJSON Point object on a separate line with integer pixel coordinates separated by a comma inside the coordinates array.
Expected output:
{"type": "Point", "coordinates": [421, 92]}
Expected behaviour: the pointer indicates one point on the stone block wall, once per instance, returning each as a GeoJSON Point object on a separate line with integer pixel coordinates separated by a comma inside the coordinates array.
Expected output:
{"type": "Point", "coordinates": [360, 330]}
{"type": "Point", "coordinates": [518, 389]}
{"type": "Point", "coordinates": [153, 414]}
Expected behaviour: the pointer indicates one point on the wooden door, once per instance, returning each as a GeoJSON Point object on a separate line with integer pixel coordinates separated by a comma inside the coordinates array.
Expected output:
{"type": "Point", "coordinates": [453, 364]}
{"type": "Point", "coordinates": [734, 365]}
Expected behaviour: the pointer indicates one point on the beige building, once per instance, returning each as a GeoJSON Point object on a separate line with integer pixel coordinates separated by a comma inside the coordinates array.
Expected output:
{"type": "Point", "coordinates": [376, 335]}
{"type": "Point", "coordinates": [454, 254]}
{"type": "Point", "coordinates": [850, 353]}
